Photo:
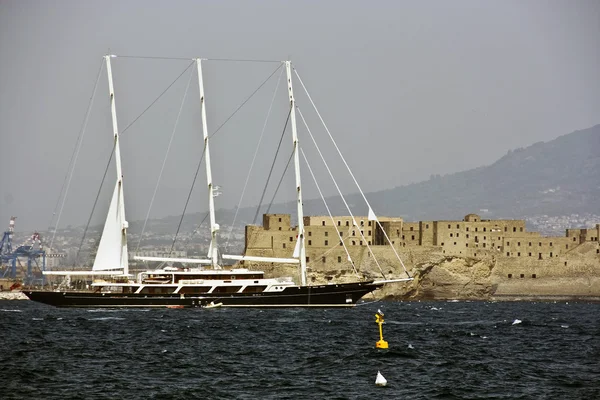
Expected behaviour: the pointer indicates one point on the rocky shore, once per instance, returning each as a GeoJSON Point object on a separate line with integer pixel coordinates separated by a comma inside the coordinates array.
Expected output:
{"type": "Point", "coordinates": [445, 277]}
{"type": "Point", "coordinates": [487, 279]}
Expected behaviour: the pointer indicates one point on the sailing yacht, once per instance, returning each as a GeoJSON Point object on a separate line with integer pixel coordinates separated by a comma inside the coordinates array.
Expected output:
{"type": "Point", "coordinates": [208, 283]}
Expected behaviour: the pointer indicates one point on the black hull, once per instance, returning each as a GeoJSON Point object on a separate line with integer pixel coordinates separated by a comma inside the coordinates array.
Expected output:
{"type": "Point", "coordinates": [340, 295]}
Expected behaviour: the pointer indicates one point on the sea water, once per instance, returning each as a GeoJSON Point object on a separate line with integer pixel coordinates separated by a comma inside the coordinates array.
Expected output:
{"type": "Point", "coordinates": [437, 350]}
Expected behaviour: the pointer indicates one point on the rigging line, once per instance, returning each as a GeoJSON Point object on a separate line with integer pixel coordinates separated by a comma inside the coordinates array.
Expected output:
{"type": "Point", "coordinates": [279, 184]}
{"type": "Point", "coordinates": [272, 166]}
{"type": "Point", "coordinates": [354, 224]}
{"type": "Point", "coordinates": [155, 100]}
{"type": "Point", "coordinates": [193, 58]}
{"type": "Point", "coordinates": [156, 58]}
{"type": "Point", "coordinates": [324, 254]}
{"type": "Point", "coordinates": [200, 224]}
{"type": "Point", "coordinates": [262, 133]}
{"type": "Point", "coordinates": [95, 201]}
{"type": "Point", "coordinates": [329, 250]}
{"type": "Point", "coordinates": [243, 60]}
{"type": "Point", "coordinates": [188, 199]}
{"type": "Point", "coordinates": [349, 170]}
{"type": "Point", "coordinates": [162, 168]}
{"type": "Point", "coordinates": [74, 156]}
{"type": "Point", "coordinates": [329, 212]}
{"type": "Point", "coordinates": [245, 101]}
{"type": "Point", "coordinates": [342, 239]}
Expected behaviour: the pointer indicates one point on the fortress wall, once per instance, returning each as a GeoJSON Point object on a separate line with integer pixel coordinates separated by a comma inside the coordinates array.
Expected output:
{"type": "Point", "coordinates": [274, 222]}
{"type": "Point", "coordinates": [537, 247]}
{"type": "Point", "coordinates": [320, 259]}
{"type": "Point", "coordinates": [499, 247]}
{"type": "Point", "coordinates": [550, 287]}
{"type": "Point", "coordinates": [411, 234]}
{"type": "Point", "coordinates": [454, 237]}
{"type": "Point", "coordinates": [393, 229]}
{"type": "Point", "coordinates": [467, 238]}
{"type": "Point", "coordinates": [271, 243]}
{"type": "Point", "coordinates": [584, 235]}
{"type": "Point", "coordinates": [339, 221]}
{"type": "Point", "coordinates": [427, 233]}
{"type": "Point", "coordinates": [323, 228]}
{"type": "Point", "coordinates": [323, 260]}
{"type": "Point", "coordinates": [256, 238]}
{"type": "Point", "coordinates": [577, 274]}
{"type": "Point", "coordinates": [580, 262]}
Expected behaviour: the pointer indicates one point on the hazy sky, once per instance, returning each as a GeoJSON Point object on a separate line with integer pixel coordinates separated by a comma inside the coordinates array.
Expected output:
{"type": "Point", "coordinates": [409, 88]}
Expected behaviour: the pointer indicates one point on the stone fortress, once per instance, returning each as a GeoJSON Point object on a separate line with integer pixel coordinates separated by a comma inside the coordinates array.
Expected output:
{"type": "Point", "coordinates": [472, 258]}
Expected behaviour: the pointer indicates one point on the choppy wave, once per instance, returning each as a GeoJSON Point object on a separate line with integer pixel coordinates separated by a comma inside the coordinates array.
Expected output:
{"type": "Point", "coordinates": [462, 350]}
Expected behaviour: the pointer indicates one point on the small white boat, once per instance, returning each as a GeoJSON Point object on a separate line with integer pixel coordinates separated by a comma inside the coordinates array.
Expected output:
{"type": "Point", "coordinates": [213, 305]}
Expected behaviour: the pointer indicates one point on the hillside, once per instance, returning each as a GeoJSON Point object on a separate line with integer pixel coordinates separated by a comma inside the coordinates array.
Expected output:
{"type": "Point", "coordinates": [558, 177]}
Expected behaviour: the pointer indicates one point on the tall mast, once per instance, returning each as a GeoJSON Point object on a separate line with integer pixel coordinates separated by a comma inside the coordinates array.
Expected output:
{"type": "Point", "coordinates": [302, 252]}
{"type": "Point", "coordinates": [119, 194]}
{"type": "Point", "coordinates": [212, 250]}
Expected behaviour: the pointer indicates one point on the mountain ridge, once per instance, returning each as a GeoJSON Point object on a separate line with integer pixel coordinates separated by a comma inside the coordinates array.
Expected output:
{"type": "Point", "coordinates": [557, 177]}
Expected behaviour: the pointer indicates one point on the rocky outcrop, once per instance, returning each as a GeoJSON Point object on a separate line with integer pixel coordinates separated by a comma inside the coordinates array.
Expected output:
{"type": "Point", "coordinates": [448, 278]}
{"type": "Point", "coordinates": [439, 276]}
{"type": "Point", "coordinates": [445, 277]}
{"type": "Point", "coordinates": [490, 277]}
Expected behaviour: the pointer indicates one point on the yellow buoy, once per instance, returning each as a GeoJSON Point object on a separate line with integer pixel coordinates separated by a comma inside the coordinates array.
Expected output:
{"type": "Point", "coordinates": [381, 344]}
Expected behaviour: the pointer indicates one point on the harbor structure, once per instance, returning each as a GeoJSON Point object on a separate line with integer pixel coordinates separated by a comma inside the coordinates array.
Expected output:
{"type": "Point", "coordinates": [468, 258]}
{"type": "Point", "coordinates": [469, 237]}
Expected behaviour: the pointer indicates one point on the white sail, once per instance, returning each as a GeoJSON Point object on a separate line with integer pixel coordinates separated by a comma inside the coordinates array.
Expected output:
{"type": "Point", "coordinates": [112, 251]}
{"type": "Point", "coordinates": [372, 216]}
{"type": "Point", "coordinates": [296, 253]}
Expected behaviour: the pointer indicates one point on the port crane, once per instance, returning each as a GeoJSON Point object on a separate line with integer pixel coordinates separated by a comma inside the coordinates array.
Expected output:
{"type": "Point", "coordinates": [9, 258]}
